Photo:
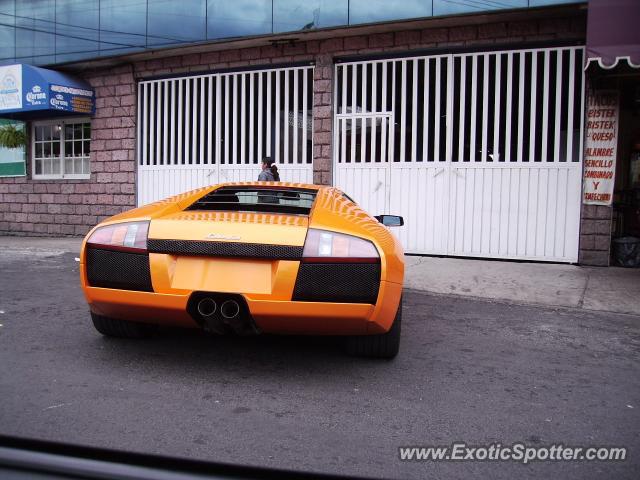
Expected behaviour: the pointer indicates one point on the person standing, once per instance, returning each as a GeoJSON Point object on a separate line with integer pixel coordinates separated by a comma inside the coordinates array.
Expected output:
{"type": "Point", "coordinates": [269, 171]}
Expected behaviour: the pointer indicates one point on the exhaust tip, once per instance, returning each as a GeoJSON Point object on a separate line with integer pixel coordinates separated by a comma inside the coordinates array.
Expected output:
{"type": "Point", "coordinates": [230, 309]}
{"type": "Point", "coordinates": [207, 307]}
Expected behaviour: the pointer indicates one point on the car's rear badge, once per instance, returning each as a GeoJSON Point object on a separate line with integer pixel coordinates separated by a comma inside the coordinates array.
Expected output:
{"type": "Point", "coordinates": [219, 236]}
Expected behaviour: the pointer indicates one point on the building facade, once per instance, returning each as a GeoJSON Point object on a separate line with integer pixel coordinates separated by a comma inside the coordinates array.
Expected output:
{"type": "Point", "coordinates": [471, 126]}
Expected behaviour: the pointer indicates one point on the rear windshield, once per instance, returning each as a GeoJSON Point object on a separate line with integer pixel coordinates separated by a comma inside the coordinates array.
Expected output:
{"type": "Point", "coordinates": [257, 199]}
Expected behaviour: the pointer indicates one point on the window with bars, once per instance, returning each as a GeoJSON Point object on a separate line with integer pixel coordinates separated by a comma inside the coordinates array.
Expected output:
{"type": "Point", "coordinates": [61, 149]}
{"type": "Point", "coordinates": [228, 118]}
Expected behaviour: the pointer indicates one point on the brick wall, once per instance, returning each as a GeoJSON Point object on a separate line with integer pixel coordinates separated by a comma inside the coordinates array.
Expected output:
{"type": "Point", "coordinates": [595, 235]}
{"type": "Point", "coordinates": [72, 207]}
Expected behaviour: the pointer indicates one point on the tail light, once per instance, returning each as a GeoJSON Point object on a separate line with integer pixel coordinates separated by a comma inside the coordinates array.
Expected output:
{"type": "Point", "coordinates": [322, 246]}
{"type": "Point", "coordinates": [125, 237]}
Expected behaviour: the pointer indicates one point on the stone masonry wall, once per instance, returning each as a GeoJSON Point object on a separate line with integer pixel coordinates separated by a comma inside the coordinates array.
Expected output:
{"type": "Point", "coordinates": [62, 207]}
{"type": "Point", "coordinates": [595, 235]}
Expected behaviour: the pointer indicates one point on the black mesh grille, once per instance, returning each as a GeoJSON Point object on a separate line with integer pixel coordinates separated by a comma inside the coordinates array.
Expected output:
{"type": "Point", "coordinates": [121, 270]}
{"type": "Point", "coordinates": [225, 249]}
{"type": "Point", "coordinates": [337, 282]}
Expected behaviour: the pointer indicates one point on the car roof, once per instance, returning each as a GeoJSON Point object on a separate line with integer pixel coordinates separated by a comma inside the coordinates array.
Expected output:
{"type": "Point", "coordinates": [308, 186]}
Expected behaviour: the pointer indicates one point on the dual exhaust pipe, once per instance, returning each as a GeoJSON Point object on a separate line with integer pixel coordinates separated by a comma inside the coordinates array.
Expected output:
{"type": "Point", "coordinates": [222, 313]}
{"type": "Point", "coordinates": [229, 309]}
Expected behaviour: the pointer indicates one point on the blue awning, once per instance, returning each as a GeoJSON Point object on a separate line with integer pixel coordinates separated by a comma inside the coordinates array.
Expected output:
{"type": "Point", "coordinates": [28, 92]}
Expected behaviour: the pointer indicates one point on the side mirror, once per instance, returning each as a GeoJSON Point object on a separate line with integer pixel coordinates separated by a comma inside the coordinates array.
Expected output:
{"type": "Point", "coordinates": [390, 220]}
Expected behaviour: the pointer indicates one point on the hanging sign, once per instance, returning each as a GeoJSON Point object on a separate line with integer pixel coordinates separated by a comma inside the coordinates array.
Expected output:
{"type": "Point", "coordinates": [600, 147]}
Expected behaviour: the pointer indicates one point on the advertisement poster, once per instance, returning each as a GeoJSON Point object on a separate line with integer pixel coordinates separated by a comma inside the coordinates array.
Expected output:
{"type": "Point", "coordinates": [600, 147]}
{"type": "Point", "coordinates": [12, 160]}
{"type": "Point", "coordinates": [10, 87]}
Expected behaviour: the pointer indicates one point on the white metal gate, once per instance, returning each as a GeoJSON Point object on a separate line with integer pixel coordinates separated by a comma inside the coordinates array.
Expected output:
{"type": "Point", "coordinates": [480, 152]}
{"type": "Point", "coordinates": [200, 130]}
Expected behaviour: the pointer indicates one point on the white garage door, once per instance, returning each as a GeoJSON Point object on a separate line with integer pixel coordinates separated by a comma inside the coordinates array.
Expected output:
{"type": "Point", "coordinates": [205, 129]}
{"type": "Point", "coordinates": [480, 152]}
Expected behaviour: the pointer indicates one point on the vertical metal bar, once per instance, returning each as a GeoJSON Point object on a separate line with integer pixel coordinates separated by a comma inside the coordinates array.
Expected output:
{"type": "Point", "coordinates": [509, 103]}
{"type": "Point", "coordinates": [363, 132]}
{"type": "Point", "coordinates": [157, 123]}
{"type": "Point", "coordinates": [269, 96]}
{"type": "Point", "coordinates": [251, 158]}
{"type": "Point", "coordinates": [384, 124]}
{"type": "Point", "coordinates": [172, 138]}
{"type": "Point", "coordinates": [342, 73]}
{"type": "Point", "coordinates": [556, 139]}
{"type": "Point", "coordinates": [194, 121]}
{"type": "Point", "coordinates": [521, 106]}
{"type": "Point", "coordinates": [260, 113]}
{"type": "Point", "coordinates": [343, 122]}
{"type": "Point", "coordinates": [305, 91]}
{"type": "Point", "coordinates": [474, 110]}
{"type": "Point", "coordinates": [277, 119]}
{"type": "Point", "coordinates": [152, 120]}
{"type": "Point", "coordinates": [450, 113]}
{"type": "Point", "coordinates": [392, 120]}
{"type": "Point", "coordinates": [285, 117]}
{"type": "Point", "coordinates": [337, 128]}
{"type": "Point", "coordinates": [425, 111]}
{"type": "Point", "coordinates": [234, 146]}
{"type": "Point", "coordinates": [243, 118]}
{"type": "Point", "coordinates": [296, 115]}
{"type": "Point", "coordinates": [187, 122]}
{"type": "Point", "coordinates": [218, 137]}
{"type": "Point", "coordinates": [181, 155]}
{"type": "Point", "coordinates": [545, 106]}
{"type": "Point", "coordinates": [485, 105]}
{"type": "Point", "coordinates": [534, 95]}
{"type": "Point", "coordinates": [227, 134]}
{"type": "Point", "coordinates": [436, 116]}
{"type": "Point", "coordinates": [165, 126]}
{"type": "Point", "coordinates": [570, 102]}
{"type": "Point", "coordinates": [354, 97]}
{"type": "Point", "coordinates": [145, 128]}
{"type": "Point", "coordinates": [496, 109]}
{"type": "Point", "coordinates": [414, 112]}
{"type": "Point", "coordinates": [403, 112]}
{"type": "Point", "coordinates": [210, 103]}
{"type": "Point", "coordinates": [374, 108]}
{"type": "Point", "coordinates": [462, 107]}
{"type": "Point", "coordinates": [201, 129]}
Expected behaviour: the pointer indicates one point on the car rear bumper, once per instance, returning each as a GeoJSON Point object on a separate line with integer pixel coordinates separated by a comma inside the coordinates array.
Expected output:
{"type": "Point", "coordinates": [269, 315]}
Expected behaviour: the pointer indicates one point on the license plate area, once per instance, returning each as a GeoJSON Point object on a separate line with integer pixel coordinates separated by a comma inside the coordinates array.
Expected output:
{"type": "Point", "coordinates": [224, 275]}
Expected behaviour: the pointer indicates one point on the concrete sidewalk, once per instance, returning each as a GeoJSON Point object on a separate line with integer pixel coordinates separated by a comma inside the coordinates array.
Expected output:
{"type": "Point", "coordinates": [605, 289]}
{"type": "Point", "coordinates": [611, 289]}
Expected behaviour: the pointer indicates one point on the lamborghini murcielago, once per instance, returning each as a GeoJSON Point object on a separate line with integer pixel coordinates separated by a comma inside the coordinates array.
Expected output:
{"type": "Point", "coordinates": [249, 258]}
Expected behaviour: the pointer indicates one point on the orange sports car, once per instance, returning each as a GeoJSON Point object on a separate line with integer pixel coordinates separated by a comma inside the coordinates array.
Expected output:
{"type": "Point", "coordinates": [247, 258]}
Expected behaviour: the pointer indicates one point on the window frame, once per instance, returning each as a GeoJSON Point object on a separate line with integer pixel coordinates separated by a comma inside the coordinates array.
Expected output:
{"type": "Point", "coordinates": [32, 144]}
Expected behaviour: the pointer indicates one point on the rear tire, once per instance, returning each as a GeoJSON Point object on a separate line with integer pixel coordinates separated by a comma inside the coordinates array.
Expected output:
{"type": "Point", "coordinates": [384, 345]}
{"type": "Point", "coordinates": [112, 327]}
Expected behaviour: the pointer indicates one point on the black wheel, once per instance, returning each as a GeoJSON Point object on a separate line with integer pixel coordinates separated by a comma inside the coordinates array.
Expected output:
{"type": "Point", "coordinates": [113, 327]}
{"type": "Point", "coordinates": [385, 345]}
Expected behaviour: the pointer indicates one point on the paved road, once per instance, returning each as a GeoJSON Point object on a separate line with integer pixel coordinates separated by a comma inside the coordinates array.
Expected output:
{"type": "Point", "coordinates": [468, 370]}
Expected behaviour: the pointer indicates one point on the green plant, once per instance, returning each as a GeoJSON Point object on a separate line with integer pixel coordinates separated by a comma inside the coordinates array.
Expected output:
{"type": "Point", "coordinates": [12, 137]}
